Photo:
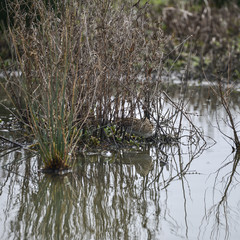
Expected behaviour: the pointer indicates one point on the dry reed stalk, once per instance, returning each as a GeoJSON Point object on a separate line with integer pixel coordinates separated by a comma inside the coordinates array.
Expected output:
{"type": "Point", "coordinates": [80, 63]}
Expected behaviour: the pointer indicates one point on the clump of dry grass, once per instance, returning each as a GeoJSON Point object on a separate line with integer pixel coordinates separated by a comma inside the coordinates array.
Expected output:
{"type": "Point", "coordinates": [80, 63]}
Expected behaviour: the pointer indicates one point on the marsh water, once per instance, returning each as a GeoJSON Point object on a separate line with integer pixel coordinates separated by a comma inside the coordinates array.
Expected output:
{"type": "Point", "coordinates": [185, 191]}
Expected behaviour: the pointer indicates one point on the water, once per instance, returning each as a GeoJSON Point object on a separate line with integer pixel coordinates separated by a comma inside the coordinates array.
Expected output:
{"type": "Point", "coordinates": [158, 193]}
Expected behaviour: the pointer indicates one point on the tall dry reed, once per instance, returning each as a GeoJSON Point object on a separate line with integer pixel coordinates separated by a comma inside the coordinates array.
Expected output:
{"type": "Point", "coordinates": [82, 64]}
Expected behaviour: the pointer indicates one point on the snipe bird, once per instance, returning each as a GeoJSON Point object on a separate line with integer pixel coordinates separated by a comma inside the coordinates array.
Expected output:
{"type": "Point", "coordinates": [139, 127]}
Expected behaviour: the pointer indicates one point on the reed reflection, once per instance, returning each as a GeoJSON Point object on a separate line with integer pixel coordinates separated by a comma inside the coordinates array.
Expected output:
{"type": "Point", "coordinates": [221, 217]}
{"type": "Point", "coordinates": [117, 198]}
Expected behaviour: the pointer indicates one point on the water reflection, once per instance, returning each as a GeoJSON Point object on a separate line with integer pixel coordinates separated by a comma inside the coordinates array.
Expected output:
{"type": "Point", "coordinates": [220, 216]}
{"type": "Point", "coordinates": [98, 201]}
{"type": "Point", "coordinates": [101, 199]}
{"type": "Point", "coordinates": [157, 192]}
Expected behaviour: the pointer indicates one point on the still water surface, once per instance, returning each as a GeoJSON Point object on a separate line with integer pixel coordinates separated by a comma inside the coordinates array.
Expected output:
{"type": "Point", "coordinates": [158, 193]}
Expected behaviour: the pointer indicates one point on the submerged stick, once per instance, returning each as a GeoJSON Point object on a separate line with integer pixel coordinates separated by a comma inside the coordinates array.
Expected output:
{"type": "Point", "coordinates": [13, 142]}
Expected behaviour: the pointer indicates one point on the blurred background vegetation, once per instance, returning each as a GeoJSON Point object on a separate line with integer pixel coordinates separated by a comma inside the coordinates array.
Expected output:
{"type": "Point", "coordinates": [213, 25]}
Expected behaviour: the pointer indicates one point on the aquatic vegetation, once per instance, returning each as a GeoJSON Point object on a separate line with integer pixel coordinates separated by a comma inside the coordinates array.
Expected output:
{"type": "Point", "coordinates": [223, 92]}
{"type": "Point", "coordinates": [88, 73]}
{"type": "Point", "coordinates": [80, 67]}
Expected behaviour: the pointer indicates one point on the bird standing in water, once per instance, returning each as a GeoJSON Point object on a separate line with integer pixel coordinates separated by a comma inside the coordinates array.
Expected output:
{"type": "Point", "coordinates": [139, 127]}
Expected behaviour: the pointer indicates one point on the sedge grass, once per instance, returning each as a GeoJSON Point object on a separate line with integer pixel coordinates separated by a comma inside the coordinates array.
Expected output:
{"type": "Point", "coordinates": [82, 63]}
